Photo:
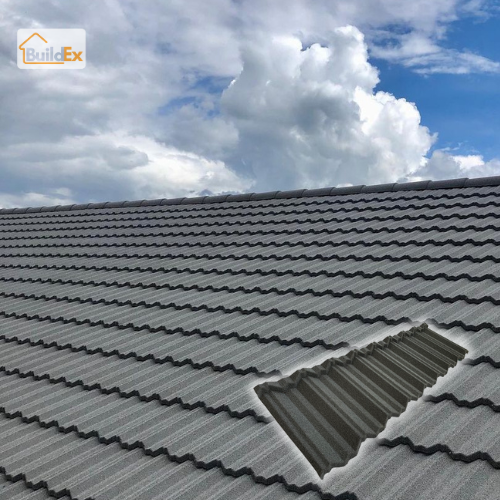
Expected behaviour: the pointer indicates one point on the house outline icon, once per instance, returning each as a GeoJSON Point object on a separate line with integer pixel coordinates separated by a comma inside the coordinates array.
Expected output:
{"type": "Point", "coordinates": [24, 52]}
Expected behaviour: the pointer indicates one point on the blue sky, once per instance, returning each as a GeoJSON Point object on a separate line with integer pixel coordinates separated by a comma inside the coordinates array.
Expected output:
{"type": "Point", "coordinates": [463, 109]}
{"type": "Point", "coordinates": [183, 98]}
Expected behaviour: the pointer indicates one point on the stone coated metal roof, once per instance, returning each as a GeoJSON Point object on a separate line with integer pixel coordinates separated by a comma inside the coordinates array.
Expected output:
{"type": "Point", "coordinates": [330, 409]}
{"type": "Point", "coordinates": [132, 335]}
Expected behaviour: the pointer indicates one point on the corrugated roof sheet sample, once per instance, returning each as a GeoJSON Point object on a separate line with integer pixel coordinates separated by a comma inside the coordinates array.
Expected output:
{"type": "Point", "coordinates": [330, 409]}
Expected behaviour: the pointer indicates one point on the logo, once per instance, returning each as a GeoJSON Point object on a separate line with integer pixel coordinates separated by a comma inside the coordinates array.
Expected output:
{"type": "Point", "coordinates": [51, 49]}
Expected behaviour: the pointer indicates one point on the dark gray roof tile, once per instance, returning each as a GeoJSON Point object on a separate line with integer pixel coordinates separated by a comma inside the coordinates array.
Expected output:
{"type": "Point", "coordinates": [215, 199]}
{"type": "Point", "coordinates": [309, 193]}
{"type": "Point", "coordinates": [264, 196]}
{"type": "Point", "coordinates": [378, 188]}
{"type": "Point", "coordinates": [172, 201]}
{"type": "Point", "coordinates": [194, 200]}
{"type": "Point", "coordinates": [290, 194]}
{"type": "Point", "coordinates": [147, 203]}
{"type": "Point", "coordinates": [447, 184]}
{"type": "Point", "coordinates": [328, 410]}
{"type": "Point", "coordinates": [136, 203]}
{"type": "Point", "coordinates": [483, 181]}
{"type": "Point", "coordinates": [152, 320]}
{"type": "Point", "coordinates": [347, 190]}
{"type": "Point", "coordinates": [239, 197]}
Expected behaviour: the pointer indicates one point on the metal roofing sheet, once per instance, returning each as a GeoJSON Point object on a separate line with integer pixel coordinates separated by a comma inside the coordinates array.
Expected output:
{"type": "Point", "coordinates": [328, 410]}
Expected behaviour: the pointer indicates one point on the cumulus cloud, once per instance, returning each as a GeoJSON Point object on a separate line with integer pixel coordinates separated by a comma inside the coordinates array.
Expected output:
{"type": "Point", "coordinates": [170, 172]}
{"type": "Point", "coordinates": [116, 166]}
{"type": "Point", "coordinates": [32, 199]}
{"type": "Point", "coordinates": [154, 113]}
{"type": "Point", "coordinates": [410, 33]}
{"type": "Point", "coordinates": [444, 165]}
{"type": "Point", "coordinates": [308, 116]}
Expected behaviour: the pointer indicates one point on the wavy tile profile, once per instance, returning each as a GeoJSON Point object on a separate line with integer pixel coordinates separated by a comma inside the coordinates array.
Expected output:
{"type": "Point", "coordinates": [330, 409]}
{"type": "Point", "coordinates": [132, 333]}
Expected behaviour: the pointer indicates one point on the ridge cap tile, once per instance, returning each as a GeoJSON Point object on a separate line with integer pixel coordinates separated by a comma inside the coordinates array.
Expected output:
{"type": "Point", "coordinates": [347, 190]}
{"type": "Point", "coordinates": [215, 199]}
{"type": "Point", "coordinates": [194, 200]}
{"type": "Point", "coordinates": [449, 183]}
{"type": "Point", "coordinates": [410, 186]}
{"type": "Point", "coordinates": [134, 203]}
{"type": "Point", "coordinates": [172, 201]}
{"type": "Point", "coordinates": [148, 203]}
{"type": "Point", "coordinates": [81, 206]}
{"type": "Point", "coordinates": [101, 204]}
{"type": "Point", "coordinates": [114, 204]}
{"type": "Point", "coordinates": [483, 181]}
{"type": "Point", "coordinates": [298, 193]}
{"type": "Point", "coordinates": [239, 197]}
{"type": "Point", "coordinates": [63, 208]}
{"type": "Point", "coordinates": [264, 196]}
{"type": "Point", "coordinates": [309, 193]}
{"type": "Point", "coordinates": [378, 188]}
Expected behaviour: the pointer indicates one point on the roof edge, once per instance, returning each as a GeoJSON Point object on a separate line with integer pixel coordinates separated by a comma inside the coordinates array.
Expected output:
{"type": "Point", "coordinates": [271, 195]}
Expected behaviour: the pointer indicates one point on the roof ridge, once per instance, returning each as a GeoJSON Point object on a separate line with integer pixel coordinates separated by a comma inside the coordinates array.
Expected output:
{"type": "Point", "coordinates": [270, 195]}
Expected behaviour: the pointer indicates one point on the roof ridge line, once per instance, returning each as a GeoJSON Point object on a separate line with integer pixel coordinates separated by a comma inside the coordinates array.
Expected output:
{"type": "Point", "coordinates": [271, 195]}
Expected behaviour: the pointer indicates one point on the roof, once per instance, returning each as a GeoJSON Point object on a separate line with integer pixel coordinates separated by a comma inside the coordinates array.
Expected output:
{"type": "Point", "coordinates": [132, 336]}
{"type": "Point", "coordinates": [274, 195]}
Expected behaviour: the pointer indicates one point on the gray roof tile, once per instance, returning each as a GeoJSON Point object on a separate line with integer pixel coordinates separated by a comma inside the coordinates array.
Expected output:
{"type": "Point", "coordinates": [151, 321]}
{"type": "Point", "coordinates": [329, 409]}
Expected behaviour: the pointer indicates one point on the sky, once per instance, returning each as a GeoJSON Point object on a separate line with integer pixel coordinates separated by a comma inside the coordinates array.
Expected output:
{"type": "Point", "coordinates": [189, 97]}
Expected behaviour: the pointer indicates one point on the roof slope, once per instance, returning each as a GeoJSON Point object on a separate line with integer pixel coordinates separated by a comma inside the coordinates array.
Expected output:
{"type": "Point", "coordinates": [132, 335]}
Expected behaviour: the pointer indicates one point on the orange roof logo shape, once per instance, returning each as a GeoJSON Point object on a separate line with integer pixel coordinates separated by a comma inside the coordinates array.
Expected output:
{"type": "Point", "coordinates": [24, 52]}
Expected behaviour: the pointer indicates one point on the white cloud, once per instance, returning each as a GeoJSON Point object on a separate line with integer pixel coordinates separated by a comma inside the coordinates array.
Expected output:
{"type": "Point", "coordinates": [444, 165]}
{"type": "Point", "coordinates": [33, 199]}
{"type": "Point", "coordinates": [425, 56]}
{"type": "Point", "coordinates": [299, 113]}
{"type": "Point", "coordinates": [170, 172]}
{"type": "Point", "coordinates": [410, 33]}
{"type": "Point", "coordinates": [118, 166]}
{"type": "Point", "coordinates": [309, 117]}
